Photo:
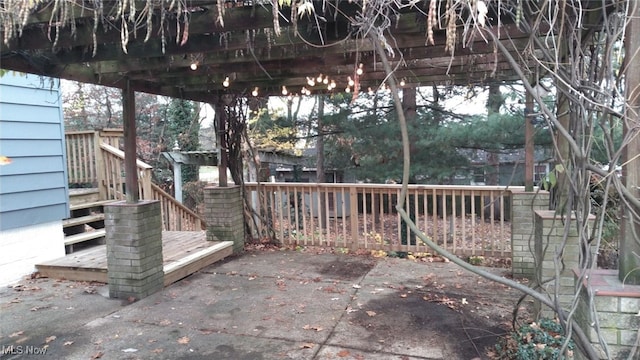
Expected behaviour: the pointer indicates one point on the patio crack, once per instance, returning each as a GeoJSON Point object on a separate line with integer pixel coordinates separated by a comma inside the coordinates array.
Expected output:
{"type": "Point", "coordinates": [356, 289]}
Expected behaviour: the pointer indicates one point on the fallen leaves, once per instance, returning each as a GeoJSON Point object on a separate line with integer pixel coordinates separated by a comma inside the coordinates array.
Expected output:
{"type": "Point", "coordinates": [312, 327]}
{"type": "Point", "coordinates": [16, 334]}
{"type": "Point", "coordinates": [307, 345]}
{"type": "Point", "coordinates": [343, 353]}
{"type": "Point", "coordinates": [50, 339]}
{"type": "Point", "coordinates": [184, 340]}
{"type": "Point", "coordinates": [67, 343]}
{"type": "Point", "coordinates": [371, 313]}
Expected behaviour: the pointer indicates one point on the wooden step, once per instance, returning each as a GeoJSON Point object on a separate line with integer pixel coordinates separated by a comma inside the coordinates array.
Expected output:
{"type": "Point", "coordinates": [185, 266]}
{"type": "Point", "coordinates": [82, 220]}
{"type": "Point", "coordinates": [86, 195]}
{"type": "Point", "coordinates": [85, 236]}
{"type": "Point", "coordinates": [90, 204]}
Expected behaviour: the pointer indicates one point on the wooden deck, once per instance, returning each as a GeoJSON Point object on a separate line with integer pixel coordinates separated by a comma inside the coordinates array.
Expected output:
{"type": "Point", "coordinates": [184, 253]}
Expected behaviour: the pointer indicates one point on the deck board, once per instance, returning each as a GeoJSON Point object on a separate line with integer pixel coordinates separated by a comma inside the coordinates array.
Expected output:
{"type": "Point", "coordinates": [183, 252]}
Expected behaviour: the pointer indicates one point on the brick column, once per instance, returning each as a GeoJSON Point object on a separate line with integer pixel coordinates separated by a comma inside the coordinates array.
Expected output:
{"type": "Point", "coordinates": [549, 232]}
{"type": "Point", "coordinates": [614, 306]}
{"type": "Point", "coordinates": [134, 249]}
{"type": "Point", "coordinates": [523, 206]}
{"type": "Point", "coordinates": [223, 213]}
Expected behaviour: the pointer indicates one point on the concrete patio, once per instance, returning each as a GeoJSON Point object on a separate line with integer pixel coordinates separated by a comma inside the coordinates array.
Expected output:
{"type": "Point", "coordinates": [266, 305]}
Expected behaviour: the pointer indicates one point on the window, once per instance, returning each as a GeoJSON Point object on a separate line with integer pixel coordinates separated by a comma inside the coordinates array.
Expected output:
{"type": "Point", "coordinates": [540, 171]}
{"type": "Point", "coordinates": [477, 176]}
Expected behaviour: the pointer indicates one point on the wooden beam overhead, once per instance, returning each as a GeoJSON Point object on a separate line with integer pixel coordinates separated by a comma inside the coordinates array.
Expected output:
{"type": "Point", "coordinates": [248, 51]}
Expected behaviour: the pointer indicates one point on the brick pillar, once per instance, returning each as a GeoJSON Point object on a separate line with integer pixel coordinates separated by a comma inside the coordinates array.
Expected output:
{"type": "Point", "coordinates": [523, 206]}
{"type": "Point", "coordinates": [134, 249]}
{"type": "Point", "coordinates": [223, 213]}
{"type": "Point", "coordinates": [614, 307]}
{"type": "Point", "coordinates": [549, 232]}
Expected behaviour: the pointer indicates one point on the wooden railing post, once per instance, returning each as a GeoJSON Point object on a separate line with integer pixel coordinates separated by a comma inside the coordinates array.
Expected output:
{"type": "Point", "coordinates": [145, 175]}
{"type": "Point", "coordinates": [100, 166]}
{"type": "Point", "coordinates": [353, 215]}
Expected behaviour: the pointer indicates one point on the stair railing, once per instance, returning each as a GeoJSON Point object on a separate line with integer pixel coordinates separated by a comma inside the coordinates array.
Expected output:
{"type": "Point", "coordinates": [175, 216]}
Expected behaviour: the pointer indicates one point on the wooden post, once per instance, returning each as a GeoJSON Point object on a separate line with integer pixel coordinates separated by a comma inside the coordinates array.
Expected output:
{"type": "Point", "coordinates": [529, 149]}
{"type": "Point", "coordinates": [320, 175]}
{"type": "Point", "coordinates": [130, 155]}
{"type": "Point", "coordinates": [630, 226]}
{"type": "Point", "coordinates": [100, 166]}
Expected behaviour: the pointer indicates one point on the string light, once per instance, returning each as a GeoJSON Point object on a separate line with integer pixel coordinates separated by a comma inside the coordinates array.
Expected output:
{"type": "Point", "coordinates": [325, 80]}
{"type": "Point", "coordinates": [255, 92]}
{"type": "Point", "coordinates": [402, 83]}
{"type": "Point", "coordinates": [194, 66]}
{"type": "Point", "coordinates": [332, 85]}
{"type": "Point", "coordinates": [319, 78]}
{"type": "Point", "coordinates": [347, 89]}
{"type": "Point", "coordinates": [225, 83]}
{"type": "Point", "coordinates": [359, 70]}
{"type": "Point", "coordinates": [351, 82]}
{"type": "Point", "coordinates": [311, 82]}
{"type": "Point", "coordinates": [284, 90]}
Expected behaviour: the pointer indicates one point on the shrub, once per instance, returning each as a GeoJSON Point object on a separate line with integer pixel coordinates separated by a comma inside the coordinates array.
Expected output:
{"type": "Point", "coordinates": [540, 341]}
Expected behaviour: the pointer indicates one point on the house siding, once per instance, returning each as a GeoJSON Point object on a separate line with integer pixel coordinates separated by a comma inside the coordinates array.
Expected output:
{"type": "Point", "coordinates": [33, 188]}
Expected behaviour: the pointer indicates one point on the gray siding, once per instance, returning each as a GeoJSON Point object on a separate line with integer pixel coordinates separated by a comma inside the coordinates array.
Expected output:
{"type": "Point", "coordinates": [33, 188]}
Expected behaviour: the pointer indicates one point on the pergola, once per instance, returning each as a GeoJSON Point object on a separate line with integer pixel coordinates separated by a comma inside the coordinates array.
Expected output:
{"type": "Point", "coordinates": [203, 50]}
{"type": "Point", "coordinates": [197, 48]}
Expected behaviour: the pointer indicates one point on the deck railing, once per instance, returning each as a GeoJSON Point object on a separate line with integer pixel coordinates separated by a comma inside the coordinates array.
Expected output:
{"type": "Point", "coordinates": [466, 220]}
{"type": "Point", "coordinates": [113, 179]}
{"type": "Point", "coordinates": [94, 157]}
{"type": "Point", "coordinates": [175, 216]}
{"type": "Point", "coordinates": [83, 153]}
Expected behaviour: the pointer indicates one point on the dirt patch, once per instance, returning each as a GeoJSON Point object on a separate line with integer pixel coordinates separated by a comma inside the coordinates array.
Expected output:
{"type": "Point", "coordinates": [347, 268]}
{"type": "Point", "coordinates": [418, 315]}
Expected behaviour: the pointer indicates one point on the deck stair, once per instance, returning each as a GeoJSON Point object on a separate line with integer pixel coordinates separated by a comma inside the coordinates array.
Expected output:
{"type": "Point", "coordinates": [85, 226]}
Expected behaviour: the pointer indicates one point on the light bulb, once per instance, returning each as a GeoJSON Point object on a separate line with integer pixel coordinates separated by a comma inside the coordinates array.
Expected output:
{"type": "Point", "coordinates": [319, 78]}
{"type": "Point", "coordinates": [194, 66]}
{"type": "Point", "coordinates": [225, 83]}
{"type": "Point", "coordinates": [351, 82]}
{"type": "Point", "coordinates": [284, 90]}
{"type": "Point", "coordinates": [359, 70]}
{"type": "Point", "coordinates": [255, 92]}
{"type": "Point", "coordinates": [347, 89]}
{"type": "Point", "coordinates": [402, 83]}
{"type": "Point", "coordinates": [325, 80]}
{"type": "Point", "coordinates": [311, 82]}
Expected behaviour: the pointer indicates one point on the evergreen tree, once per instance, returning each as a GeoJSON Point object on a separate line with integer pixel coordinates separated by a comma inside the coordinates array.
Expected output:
{"type": "Point", "coordinates": [182, 127]}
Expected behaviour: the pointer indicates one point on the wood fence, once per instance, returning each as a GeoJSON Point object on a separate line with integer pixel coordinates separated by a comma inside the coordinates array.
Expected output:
{"type": "Point", "coordinates": [466, 220]}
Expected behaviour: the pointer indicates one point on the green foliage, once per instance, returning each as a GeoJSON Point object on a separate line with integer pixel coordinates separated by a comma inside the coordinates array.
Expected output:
{"type": "Point", "coordinates": [272, 132]}
{"type": "Point", "coordinates": [372, 137]}
{"type": "Point", "coordinates": [541, 341]}
{"type": "Point", "coordinates": [182, 127]}
{"type": "Point", "coordinates": [551, 179]}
